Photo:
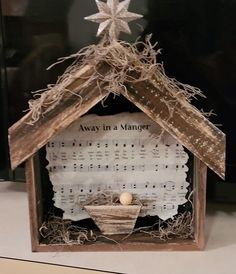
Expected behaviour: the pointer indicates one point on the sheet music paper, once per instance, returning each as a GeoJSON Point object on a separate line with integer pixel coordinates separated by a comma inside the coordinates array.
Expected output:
{"type": "Point", "coordinates": [117, 153]}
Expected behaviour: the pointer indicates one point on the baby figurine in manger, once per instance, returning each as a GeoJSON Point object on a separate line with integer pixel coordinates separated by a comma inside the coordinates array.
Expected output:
{"type": "Point", "coordinates": [116, 217]}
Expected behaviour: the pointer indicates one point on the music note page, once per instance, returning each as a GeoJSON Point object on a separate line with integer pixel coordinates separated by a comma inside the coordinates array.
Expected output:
{"type": "Point", "coordinates": [123, 152]}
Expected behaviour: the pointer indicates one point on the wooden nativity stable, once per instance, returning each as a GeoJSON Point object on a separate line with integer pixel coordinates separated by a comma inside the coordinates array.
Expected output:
{"type": "Point", "coordinates": [82, 87]}
{"type": "Point", "coordinates": [187, 125]}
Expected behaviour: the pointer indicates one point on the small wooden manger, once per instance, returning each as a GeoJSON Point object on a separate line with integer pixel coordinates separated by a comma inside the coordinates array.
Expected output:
{"type": "Point", "coordinates": [114, 219]}
{"type": "Point", "coordinates": [114, 214]}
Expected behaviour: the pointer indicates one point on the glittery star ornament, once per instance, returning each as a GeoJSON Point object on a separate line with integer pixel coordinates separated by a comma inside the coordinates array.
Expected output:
{"type": "Point", "coordinates": [113, 17]}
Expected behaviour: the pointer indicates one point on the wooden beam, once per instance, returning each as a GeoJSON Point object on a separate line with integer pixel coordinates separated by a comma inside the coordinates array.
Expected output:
{"type": "Point", "coordinates": [25, 139]}
{"type": "Point", "coordinates": [34, 200]}
{"type": "Point", "coordinates": [182, 120]}
{"type": "Point", "coordinates": [178, 245]}
{"type": "Point", "coordinates": [199, 201]}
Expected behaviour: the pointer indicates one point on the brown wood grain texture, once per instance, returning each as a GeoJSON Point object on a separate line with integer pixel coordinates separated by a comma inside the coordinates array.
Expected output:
{"type": "Point", "coordinates": [199, 201]}
{"type": "Point", "coordinates": [183, 245]}
{"type": "Point", "coordinates": [117, 219]}
{"type": "Point", "coordinates": [25, 139]}
{"type": "Point", "coordinates": [181, 120]}
{"type": "Point", "coordinates": [34, 201]}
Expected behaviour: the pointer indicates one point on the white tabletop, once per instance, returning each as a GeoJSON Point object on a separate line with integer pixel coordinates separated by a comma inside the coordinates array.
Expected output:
{"type": "Point", "coordinates": [219, 256]}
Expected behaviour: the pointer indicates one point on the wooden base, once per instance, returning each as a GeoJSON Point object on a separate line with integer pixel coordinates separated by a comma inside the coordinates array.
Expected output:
{"type": "Point", "coordinates": [173, 246]}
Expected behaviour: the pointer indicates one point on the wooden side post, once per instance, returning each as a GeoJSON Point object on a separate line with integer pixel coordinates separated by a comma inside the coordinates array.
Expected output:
{"type": "Point", "coordinates": [34, 200]}
{"type": "Point", "coordinates": [199, 202]}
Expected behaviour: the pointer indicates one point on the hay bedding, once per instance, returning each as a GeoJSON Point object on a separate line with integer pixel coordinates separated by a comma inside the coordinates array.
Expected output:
{"type": "Point", "coordinates": [58, 231]}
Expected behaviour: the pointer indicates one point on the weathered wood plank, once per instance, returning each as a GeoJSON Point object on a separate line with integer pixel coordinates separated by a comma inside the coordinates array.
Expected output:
{"type": "Point", "coordinates": [25, 139]}
{"type": "Point", "coordinates": [199, 201]}
{"type": "Point", "coordinates": [182, 120]}
{"type": "Point", "coordinates": [34, 201]}
{"type": "Point", "coordinates": [118, 219]}
{"type": "Point", "coordinates": [143, 244]}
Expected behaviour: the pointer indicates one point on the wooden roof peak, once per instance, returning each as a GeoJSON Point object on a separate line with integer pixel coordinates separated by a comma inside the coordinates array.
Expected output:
{"type": "Point", "coordinates": [175, 115]}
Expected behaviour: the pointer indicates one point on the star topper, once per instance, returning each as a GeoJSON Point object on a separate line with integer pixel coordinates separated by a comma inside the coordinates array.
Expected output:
{"type": "Point", "coordinates": [113, 17]}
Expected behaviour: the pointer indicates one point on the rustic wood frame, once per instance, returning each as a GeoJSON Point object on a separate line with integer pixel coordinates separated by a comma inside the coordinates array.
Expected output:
{"type": "Point", "coordinates": [174, 114]}
{"type": "Point", "coordinates": [33, 181]}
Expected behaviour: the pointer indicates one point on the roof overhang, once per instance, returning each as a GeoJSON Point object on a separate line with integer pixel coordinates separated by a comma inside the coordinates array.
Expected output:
{"type": "Point", "coordinates": [178, 117]}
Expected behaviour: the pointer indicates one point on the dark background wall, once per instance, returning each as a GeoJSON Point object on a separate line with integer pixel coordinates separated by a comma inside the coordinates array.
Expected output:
{"type": "Point", "coordinates": [198, 41]}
